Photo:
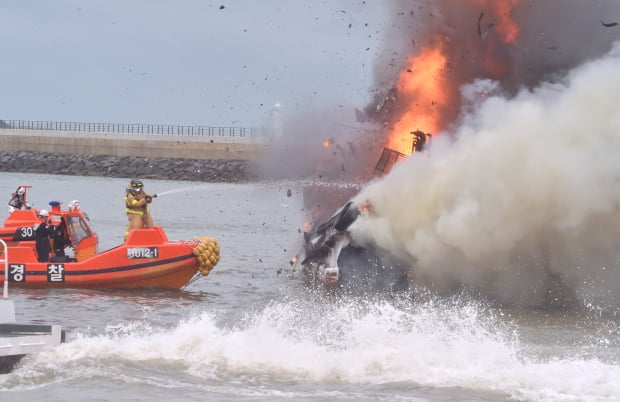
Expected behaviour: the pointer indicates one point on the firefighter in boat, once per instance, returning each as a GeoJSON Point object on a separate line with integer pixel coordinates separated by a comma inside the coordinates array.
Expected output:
{"type": "Point", "coordinates": [137, 207]}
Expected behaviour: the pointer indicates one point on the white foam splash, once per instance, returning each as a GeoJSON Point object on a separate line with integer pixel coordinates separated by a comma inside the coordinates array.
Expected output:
{"type": "Point", "coordinates": [434, 344]}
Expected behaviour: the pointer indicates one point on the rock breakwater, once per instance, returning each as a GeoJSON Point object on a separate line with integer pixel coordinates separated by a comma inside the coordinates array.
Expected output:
{"type": "Point", "coordinates": [122, 166]}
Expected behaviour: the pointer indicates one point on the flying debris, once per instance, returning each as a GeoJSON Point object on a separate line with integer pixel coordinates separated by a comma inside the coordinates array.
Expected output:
{"type": "Point", "coordinates": [389, 157]}
{"type": "Point", "coordinates": [609, 24]}
{"type": "Point", "coordinates": [352, 148]}
{"type": "Point", "coordinates": [360, 116]}
{"type": "Point", "coordinates": [420, 140]}
{"type": "Point", "coordinates": [483, 33]}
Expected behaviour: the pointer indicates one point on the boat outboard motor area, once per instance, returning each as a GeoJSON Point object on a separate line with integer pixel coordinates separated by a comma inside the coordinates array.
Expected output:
{"type": "Point", "coordinates": [333, 257]}
{"type": "Point", "coordinates": [323, 245]}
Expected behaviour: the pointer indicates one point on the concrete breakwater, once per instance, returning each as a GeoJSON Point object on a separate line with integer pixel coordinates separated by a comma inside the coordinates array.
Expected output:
{"type": "Point", "coordinates": [154, 156]}
{"type": "Point", "coordinates": [126, 166]}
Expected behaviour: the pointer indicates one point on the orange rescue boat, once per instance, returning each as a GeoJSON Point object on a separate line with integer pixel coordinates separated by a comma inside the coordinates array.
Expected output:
{"type": "Point", "coordinates": [147, 259]}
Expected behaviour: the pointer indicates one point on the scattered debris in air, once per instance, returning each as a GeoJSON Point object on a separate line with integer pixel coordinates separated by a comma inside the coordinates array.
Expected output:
{"type": "Point", "coordinates": [609, 24]}
{"type": "Point", "coordinates": [483, 33]}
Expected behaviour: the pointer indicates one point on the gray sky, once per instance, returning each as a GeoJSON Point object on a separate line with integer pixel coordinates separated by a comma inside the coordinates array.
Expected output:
{"type": "Point", "coordinates": [184, 62]}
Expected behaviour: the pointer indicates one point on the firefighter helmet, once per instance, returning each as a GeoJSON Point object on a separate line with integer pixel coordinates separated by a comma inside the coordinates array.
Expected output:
{"type": "Point", "coordinates": [135, 183]}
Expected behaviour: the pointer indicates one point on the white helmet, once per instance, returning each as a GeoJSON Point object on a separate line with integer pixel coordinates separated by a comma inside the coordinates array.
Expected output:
{"type": "Point", "coordinates": [21, 191]}
{"type": "Point", "coordinates": [44, 212]}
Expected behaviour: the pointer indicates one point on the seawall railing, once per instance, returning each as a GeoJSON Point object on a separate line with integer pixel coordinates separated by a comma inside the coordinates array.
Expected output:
{"type": "Point", "coordinates": [129, 128]}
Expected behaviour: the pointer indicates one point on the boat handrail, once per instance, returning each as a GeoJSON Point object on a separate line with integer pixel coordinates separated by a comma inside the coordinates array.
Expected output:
{"type": "Point", "coordinates": [5, 259]}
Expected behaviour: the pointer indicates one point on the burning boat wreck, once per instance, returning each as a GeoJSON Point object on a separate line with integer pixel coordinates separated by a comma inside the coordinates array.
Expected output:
{"type": "Point", "coordinates": [333, 258]}
{"type": "Point", "coordinates": [323, 246]}
{"type": "Point", "coordinates": [506, 194]}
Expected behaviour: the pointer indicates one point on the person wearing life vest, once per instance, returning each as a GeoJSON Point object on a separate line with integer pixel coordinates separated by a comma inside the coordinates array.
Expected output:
{"type": "Point", "coordinates": [137, 207]}
{"type": "Point", "coordinates": [18, 199]}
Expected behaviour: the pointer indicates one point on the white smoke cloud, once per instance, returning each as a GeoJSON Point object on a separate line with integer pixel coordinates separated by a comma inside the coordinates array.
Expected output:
{"type": "Point", "coordinates": [524, 203]}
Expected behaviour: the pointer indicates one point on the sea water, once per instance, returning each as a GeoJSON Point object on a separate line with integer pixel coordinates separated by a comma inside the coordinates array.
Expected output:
{"type": "Point", "coordinates": [252, 329]}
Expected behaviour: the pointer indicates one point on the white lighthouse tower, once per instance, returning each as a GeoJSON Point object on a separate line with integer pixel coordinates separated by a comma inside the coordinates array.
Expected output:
{"type": "Point", "coordinates": [276, 121]}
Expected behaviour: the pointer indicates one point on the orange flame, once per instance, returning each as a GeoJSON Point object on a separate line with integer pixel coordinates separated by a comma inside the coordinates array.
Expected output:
{"type": "Point", "coordinates": [423, 83]}
{"type": "Point", "coordinates": [367, 208]}
{"type": "Point", "coordinates": [506, 31]}
{"type": "Point", "coordinates": [506, 27]}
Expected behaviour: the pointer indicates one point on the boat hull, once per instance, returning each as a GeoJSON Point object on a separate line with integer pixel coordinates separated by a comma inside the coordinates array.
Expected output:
{"type": "Point", "coordinates": [146, 260]}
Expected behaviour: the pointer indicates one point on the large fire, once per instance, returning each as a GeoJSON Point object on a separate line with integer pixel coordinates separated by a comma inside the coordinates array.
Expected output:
{"type": "Point", "coordinates": [425, 89]}
{"type": "Point", "coordinates": [422, 84]}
